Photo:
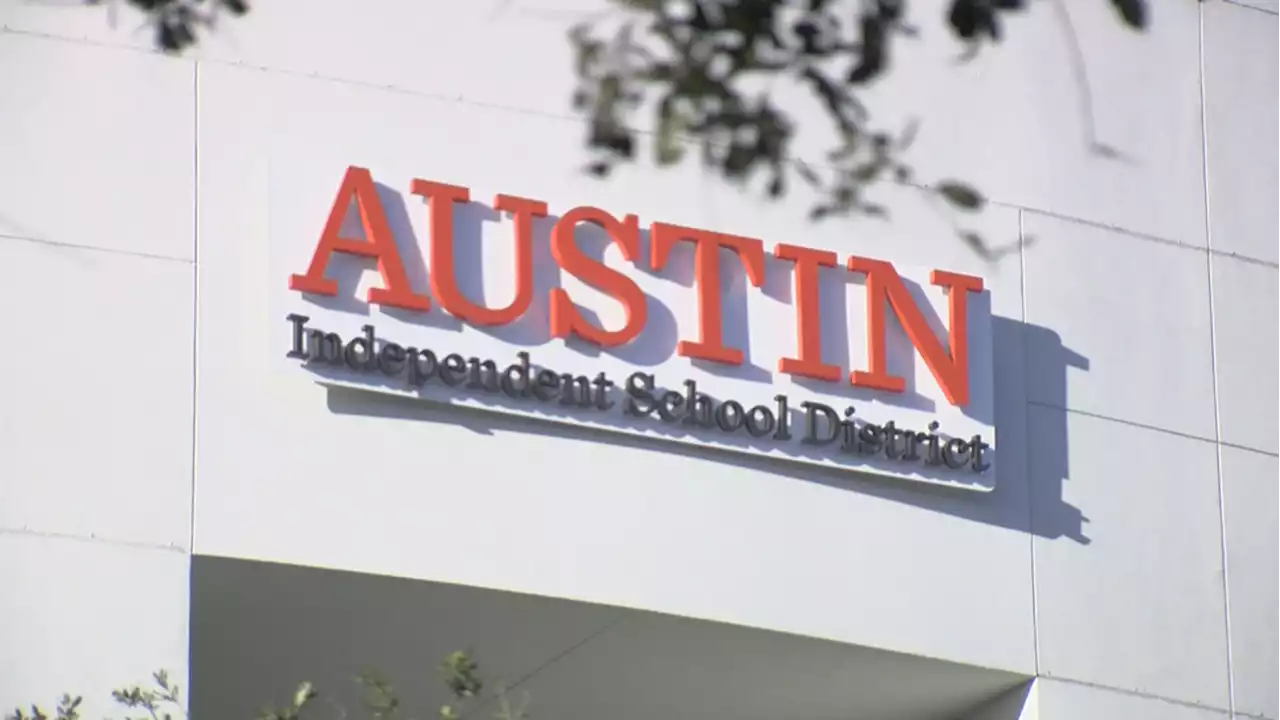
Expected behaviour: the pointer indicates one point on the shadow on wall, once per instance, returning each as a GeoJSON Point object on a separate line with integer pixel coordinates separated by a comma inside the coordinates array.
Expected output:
{"type": "Point", "coordinates": [1021, 484]}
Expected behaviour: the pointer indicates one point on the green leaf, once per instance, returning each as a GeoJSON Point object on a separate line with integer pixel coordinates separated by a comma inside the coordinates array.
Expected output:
{"type": "Point", "coordinates": [961, 195]}
{"type": "Point", "coordinates": [1132, 12]}
{"type": "Point", "coordinates": [460, 677]}
{"type": "Point", "coordinates": [669, 148]}
{"type": "Point", "coordinates": [867, 171]}
{"type": "Point", "coordinates": [303, 694]}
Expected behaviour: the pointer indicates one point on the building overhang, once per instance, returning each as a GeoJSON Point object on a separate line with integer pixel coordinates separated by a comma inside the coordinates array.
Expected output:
{"type": "Point", "coordinates": [258, 629]}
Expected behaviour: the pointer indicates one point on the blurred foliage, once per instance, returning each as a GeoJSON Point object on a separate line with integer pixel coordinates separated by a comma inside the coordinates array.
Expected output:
{"type": "Point", "coordinates": [161, 700]}
{"type": "Point", "coordinates": [177, 22]}
{"type": "Point", "coordinates": [698, 66]}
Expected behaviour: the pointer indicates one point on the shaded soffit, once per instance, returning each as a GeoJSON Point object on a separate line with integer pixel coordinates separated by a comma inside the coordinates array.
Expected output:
{"type": "Point", "coordinates": [260, 628]}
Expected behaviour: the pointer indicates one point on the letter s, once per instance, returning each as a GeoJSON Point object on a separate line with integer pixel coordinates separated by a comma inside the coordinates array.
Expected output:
{"type": "Point", "coordinates": [640, 400]}
{"type": "Point", "coordinates": [565, 318]}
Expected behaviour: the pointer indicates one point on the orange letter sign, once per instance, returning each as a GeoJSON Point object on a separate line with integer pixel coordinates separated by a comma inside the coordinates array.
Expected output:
{"type": "Point", "coordinates": [706, 272]}
{"type": "Point", "coordinates": [808, 361]}
{"type": "Point", "coordinates": [951, 371]}
{"type": "Point", "coordinates": [378, 243]}
{"type": "Point", "coordinates": [565, 318]}
{"type": "Point", "coordinates": [440, 199]}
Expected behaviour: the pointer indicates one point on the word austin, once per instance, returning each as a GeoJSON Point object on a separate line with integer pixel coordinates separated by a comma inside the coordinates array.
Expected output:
{"type": "Point", "coordinates": [639, 395]}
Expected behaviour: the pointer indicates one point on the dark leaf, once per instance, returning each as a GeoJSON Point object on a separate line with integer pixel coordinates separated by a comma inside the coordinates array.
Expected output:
{"type": "Point", "coordinates": [173, 37]}
{"type": "Point", "coordinates": [845, 196]}
{"type": "Point", "coordinates": [700, 21]}
{"type": "Point", "coordinates": [623, 145]}
{"type": "Point", "coordinates": [961, 195]}
{"type": "Point", "coordinates": [872, 61]}
{"type": "Point", "coordinates": [989, 24]}
{"type": "Point", "coordinates": [827, 91]}
{"type": "Point", "coordinates": [890, 10]}
{"type": "Point", "coordinates": [880, 144]}
{"type": "Point", "coordinates": [237, 7]}
{"type": "Point", "coordinates": [776, 186]}
{"type": "Point", "coordinates": [965, 17]}
{"type": "Point", "coordinates": [808, 33]}
{"type": "Point", "coordinates": [807, 174]}
{"type": "Point", "coordinates": [1132, 12]}
{"type": "Point", "coordinates": [738, 161]}
{"type": "Point", "coordinates": [976, 243]}
{"type": "Point", "coordinates": [867, 172]}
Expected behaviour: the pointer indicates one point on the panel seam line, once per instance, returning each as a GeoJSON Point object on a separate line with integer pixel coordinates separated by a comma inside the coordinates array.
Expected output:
{"type": "Point", "coordinates": [1213, 365]}
{"type": "Point", "coordinates": [96, 248]}
{"type": "Point", "coordinates": [1026, 413]}
{"type": "Point", "coordinates": [94, 538]}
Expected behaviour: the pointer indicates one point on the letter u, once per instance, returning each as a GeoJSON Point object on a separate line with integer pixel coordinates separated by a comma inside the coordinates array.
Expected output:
{"type": "Point", "coordinates": [440, 199]}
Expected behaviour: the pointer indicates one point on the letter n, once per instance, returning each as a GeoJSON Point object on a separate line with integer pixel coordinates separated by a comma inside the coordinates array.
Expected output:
{"type": "Point", "coordinates": [378, 244]}
{"type": "Point", "coordinates": [950, 366]}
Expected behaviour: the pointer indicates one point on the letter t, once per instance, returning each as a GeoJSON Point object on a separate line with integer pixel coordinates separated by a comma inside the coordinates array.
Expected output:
{"type": "Point", "coordinates": [706, 272]}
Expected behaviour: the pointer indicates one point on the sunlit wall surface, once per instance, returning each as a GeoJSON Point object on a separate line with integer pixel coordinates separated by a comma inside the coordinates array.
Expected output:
{"type": "Point", "coordinates": [1127, 558]}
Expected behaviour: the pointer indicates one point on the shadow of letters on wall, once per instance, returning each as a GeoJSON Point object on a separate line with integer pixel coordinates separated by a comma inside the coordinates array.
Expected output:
{"type": "Point", "coordinates": [663, 332]}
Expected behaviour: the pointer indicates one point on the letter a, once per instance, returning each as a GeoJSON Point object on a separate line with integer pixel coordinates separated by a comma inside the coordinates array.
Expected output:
{"type": "Point", "coordinates": [378, 244]}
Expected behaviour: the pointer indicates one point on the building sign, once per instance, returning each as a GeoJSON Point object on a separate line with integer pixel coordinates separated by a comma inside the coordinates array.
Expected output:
{"type": "Point", "coordinates": [789, 352]}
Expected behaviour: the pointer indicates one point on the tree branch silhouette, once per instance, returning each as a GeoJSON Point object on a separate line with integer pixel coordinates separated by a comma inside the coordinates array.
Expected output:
{"type": "Point", "coordinates": [691, 61]}
{"type": "Point", "coordinates": [695, 59]}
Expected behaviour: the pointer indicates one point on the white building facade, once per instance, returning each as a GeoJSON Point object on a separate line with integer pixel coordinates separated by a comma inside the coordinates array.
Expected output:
{"type": "Point", "coordinates": [196, 474]}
